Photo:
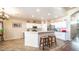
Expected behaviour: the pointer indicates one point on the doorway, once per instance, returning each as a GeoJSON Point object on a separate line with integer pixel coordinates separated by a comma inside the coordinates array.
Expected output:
{"type": "Point", "coordinates": [1, 31]}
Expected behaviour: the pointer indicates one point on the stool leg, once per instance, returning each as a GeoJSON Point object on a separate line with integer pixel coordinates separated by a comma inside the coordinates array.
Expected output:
{"type": "Point", "coordinates": [43, 45]}
{"type": "Point", "coordinates": [54, 38]}
{"type": "Point", "coordinates": [50, 41]}
{"type": "Point", "coordinates": [46, 41]}
{"type": "Point", "coordinates": [55, 41]}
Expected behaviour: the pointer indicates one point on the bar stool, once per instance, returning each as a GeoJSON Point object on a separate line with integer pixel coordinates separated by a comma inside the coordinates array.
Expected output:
{"type": "Point", "coordinates": [51, 40]}
{"type": "Point", "coordinates": [54, 40]}
{"type": "Point", "coordinates": [43, 42]}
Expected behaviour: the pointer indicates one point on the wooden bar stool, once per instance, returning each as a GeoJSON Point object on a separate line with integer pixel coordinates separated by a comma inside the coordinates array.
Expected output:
{"type": "Point", "coordinates": [54, 40]}
{"type": "Point", "coordinates": [51, 40]}
{"type": "Point", "coordinates": [43, 42]}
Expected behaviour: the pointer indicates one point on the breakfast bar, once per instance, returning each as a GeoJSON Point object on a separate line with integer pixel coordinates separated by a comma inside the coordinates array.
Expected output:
{"type": "Point", "coordinates": [32, 38]}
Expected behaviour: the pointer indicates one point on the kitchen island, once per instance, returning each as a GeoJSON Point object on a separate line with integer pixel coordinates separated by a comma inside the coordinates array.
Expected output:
{"type": "Point", "coordinates": [32, 38]}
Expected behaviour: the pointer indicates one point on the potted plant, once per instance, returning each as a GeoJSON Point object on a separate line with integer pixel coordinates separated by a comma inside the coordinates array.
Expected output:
{"type": "Point", "coordinates": [1, 30]}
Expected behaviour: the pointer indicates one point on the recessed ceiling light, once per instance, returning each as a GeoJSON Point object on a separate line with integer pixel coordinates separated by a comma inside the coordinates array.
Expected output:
{"type": "Point", "coordinates": [49, 14]}
{"type": "Point", "coordinates": [38, 10]}
{"type": "Point", "coordinates": [32, 15]}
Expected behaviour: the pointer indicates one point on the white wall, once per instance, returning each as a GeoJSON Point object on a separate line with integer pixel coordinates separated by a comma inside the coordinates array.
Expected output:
{"type": "Point", "coordinates": [60, 24]}
{"type": "Point", "coordinates": [44, 25]}
{"type": "Point", "coordinates": [11, 32]}
{"type": "Point", "coordinates": [16, 33]}
{"type": "Point", "coordinates": [0, 26]}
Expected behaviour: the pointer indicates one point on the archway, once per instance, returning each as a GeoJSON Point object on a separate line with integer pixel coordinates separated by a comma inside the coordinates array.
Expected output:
{"type": "Point", "coordinates": [75, 25]}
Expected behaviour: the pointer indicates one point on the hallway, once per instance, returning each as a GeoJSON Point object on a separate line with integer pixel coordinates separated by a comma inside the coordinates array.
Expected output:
{"type": "Point", "coordinates": [71, 46]}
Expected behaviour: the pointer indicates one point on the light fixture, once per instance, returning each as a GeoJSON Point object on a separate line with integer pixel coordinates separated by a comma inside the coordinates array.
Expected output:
{"type": "Point", "coordinates": [3, 16]}
{"type": "Point", "coordinates": [37, 10]}
{"type": "Point", "coordinates": [32, 15]}
{"type": "Point", "coordinates": [49, 14]}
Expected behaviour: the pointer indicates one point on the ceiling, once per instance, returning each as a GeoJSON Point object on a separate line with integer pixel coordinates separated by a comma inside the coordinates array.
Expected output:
{"type": "Point", "coordinates": [43, 13]}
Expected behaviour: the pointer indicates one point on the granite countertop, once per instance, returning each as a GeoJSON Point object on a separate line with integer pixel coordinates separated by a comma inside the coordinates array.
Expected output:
{"type": "Point", "coordinates": [40, 32]}
{"type": "Point", "coordinates": [45, 32]}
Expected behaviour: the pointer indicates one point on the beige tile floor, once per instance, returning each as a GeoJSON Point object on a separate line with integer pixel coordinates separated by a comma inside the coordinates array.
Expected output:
{"type": "Point", "coordinates": [18, 45]}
